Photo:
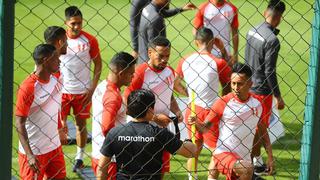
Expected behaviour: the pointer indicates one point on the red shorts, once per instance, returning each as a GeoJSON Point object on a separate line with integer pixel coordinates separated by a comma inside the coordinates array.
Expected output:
{"type": "Point", "coordinates": [112, 169]}
{"type": "Point", "coordinates": [51, 165]}
{"type": "Point", "coordinates": [210, 137]}
{"type": "Point", "coordinates": [75, 101]}
{"type": "Point", "coordinates": [266, 101]}
{"type": "Point", "coordinates": [224, 163]}
{"type": "Point", "coordinates": [165, 162]}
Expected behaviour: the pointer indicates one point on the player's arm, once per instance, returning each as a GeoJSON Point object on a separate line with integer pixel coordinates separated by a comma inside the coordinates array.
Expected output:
{"type": "Point", "coordinates": [135, 16]}
{"type": "Point", "coordinates": [166, 12]}
{"type": "Point", "coordinates": [224, 71]}
{"type": "Point", "coordinates": [271, 57]}
{"type": "Point", "coordinates": [96, 71]}
{"type": "Point", "coordinates": [220, 45]}
{"type": "Point", "coordinates": [198, 19]}
{"type": "Point", "coordinates": [235, 35]}
{"type": "Point", "coordinates": [187, 149]}
{"type": "Point", "coordinates": [24, 140]}
{"type": "Point", "coordinates": [235, 42]}
{"type": "Point", "coordinates": [175, 109]}
{"type": "Point", "coordinates": [179, 87]}
{"type": "Point", "coordinates": [110, 109]}
{"type": "Point", "coordinates": [104, 162]}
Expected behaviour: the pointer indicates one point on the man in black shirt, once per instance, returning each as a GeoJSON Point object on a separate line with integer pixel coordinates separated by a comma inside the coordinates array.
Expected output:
{"type": "Point", "coordinates": [138, 145]}
{"type": "Point", "coordinates": [135, 16]}
{"type": "Point", "coordinates": [261, 55]}
{"type": "Point", "coordinates": [152, 25]}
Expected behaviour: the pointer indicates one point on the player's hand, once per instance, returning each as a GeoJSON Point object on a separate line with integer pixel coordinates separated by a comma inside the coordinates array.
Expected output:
{"type": "Point", "coordinates": [179, 116]}
{"type": "Point", "coordinates": [280, 103]}
{"type": "Point", "coordinates": [33, 163]}
{"type": "Point", "coordinates": [192, 120]}
{"type": "Point", "coordinates": [87, 96]}
{"type": "Point", "coordinates": [162, 120]}
{"type": "Point", "coordinates": [189, 6]}
{"type": "Point", "coordinates": [270, 166]}
{"type": "Point", "coordinates": [232, 60]}
{"type": "Point", "coordinates": [135, 54]}
{"type": "Point", "coordinates": [65, 127]}
{"type": "Point", "coordinates": [63, 136]}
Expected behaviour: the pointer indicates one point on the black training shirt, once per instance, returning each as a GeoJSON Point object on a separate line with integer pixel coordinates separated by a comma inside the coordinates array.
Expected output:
{"type": "Point", "coordinates": [138, 147]}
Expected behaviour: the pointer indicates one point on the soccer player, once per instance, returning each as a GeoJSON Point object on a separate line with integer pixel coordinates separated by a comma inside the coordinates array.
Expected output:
{"type": "Point", "coordinates": [57, 37]}
{"type": "Point", "coordinates": [222, 18]}
{"type": "Point", "coordinates": [157, 76]}
{"type": "Point", "coordinates": [135, 16]}
{"type": "Point", "coordinates": [77, 85]}
{"type": "Point", "coordinates": [38, 118]}
{"type": "Point", "coordinates": [202, 72]}
{"type": "Point", "coordinates": [152, 25]}
{"type": "Point", "coordinates": [107, 107]}
{"type": "Point", "coordinates": [261, 55]}
{"type": "Point", "coordinates": [138, 145]}
{"type": "Point", "coordinates": [238, 114]}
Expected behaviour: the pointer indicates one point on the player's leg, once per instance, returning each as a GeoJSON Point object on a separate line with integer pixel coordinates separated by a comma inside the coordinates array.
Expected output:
{"type": "Point", "coordinates": [56, 167]}
{"type": "Point", "coordinates": [82, 113]}
{"type": "Point", "coordinates": [201, 114]}
{"type": "Point", "coordinates": [260, 167]}
{"type": "Point", "coordinates": [191, 163]}
{"type": "Point", "coordinates": [213, 173]}
{"type": "Point", "coordinates": [65, 110]}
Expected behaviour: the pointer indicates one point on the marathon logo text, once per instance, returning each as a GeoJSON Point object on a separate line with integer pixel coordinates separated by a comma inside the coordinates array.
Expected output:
{"type": "Point", "coordinates": [135, 139]}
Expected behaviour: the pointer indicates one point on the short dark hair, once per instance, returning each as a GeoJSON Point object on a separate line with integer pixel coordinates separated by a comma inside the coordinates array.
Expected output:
{"type": "Point", "coordinates": [72, 11]}
{"type": "Point", "coordinates": [123, 60]}
{"type": "Point", "coordinates": [277, 5]}
{"type": "Point", "coordinates": [139, 102]}
{"type": "Point", "coordinates": [204, 35]}
{"type": "Point", "coordinates": [159, 41]}
{"type": "Point", "coordinates": [41, 51]}
{"type": "Point", "coordinates": [53, 33]}
{"type": "Point", "coordinates": [241, 68]}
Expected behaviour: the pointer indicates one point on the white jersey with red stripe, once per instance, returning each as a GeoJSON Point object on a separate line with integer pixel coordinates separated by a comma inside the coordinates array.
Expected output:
{"type": "Point", "coordinates": [238, 121]}
{"type": "Point", "coordinates": [220, 19]}
{"type": "Point", "coordinates": [160, 82]}
{"type": "Point", "coordinates": [105, 95]}
{"type": "Point", "coordinates": [202, 73]}
{"type": "Point", "coordinates": [76, 64]}
{"type": "Point", "coordinates": [40, 103]}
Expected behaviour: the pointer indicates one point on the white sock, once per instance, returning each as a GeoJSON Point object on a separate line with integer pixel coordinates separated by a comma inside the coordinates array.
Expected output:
{"type": "Point", "coordinates": [194, 177]}
{"type": "Point", "coordinates": [80, 152]}
{"type": "Point", "coordinates": [211, 179]}
{"type": "Point", "coordinates": [258, 161]}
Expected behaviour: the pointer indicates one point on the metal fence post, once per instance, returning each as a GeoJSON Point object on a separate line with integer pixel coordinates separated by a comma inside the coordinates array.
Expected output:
{"type": "Point", "coordinates": [309, 164]}
{"type": "Point", "coordinates": [6, 85]}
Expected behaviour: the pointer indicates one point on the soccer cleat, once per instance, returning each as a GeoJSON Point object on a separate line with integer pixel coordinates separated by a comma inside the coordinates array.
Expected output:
{"type": "Point", "coordinates": [261, 170]}
{"type": "Point", "coordinates": [256, 177]}
{"type": "Point", "coordinates": [78, 165]}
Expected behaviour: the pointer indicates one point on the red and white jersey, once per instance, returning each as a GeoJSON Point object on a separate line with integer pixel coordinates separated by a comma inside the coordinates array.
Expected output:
{"type": "Point", "coordinates": [76, 64]}
{"type": "Point", "coordinates": [237, 123]}
{"type": "Point", "coordinates": [40, 102]}
{"type": "Point", "coordinates": [220, 19]}
{"type": "Point", "coordinates": [159, 82]}
{"type": "Point", "coordinates": [202, 73]}
{"type": "Point", "coordinates": [108, 111]}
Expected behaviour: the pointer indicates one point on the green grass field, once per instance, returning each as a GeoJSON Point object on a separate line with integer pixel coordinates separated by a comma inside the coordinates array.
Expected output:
{"type": "Point", "coordinates": [108, 20]}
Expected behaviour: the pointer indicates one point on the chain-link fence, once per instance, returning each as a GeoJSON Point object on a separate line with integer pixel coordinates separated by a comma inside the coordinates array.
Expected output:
{"type": "Point", "coordinates": [108, 21]}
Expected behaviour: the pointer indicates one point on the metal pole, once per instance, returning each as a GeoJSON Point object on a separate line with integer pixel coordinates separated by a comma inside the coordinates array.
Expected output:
{"type": "Point", "coordinates": [310, 158]}
{"type": "Point", "coordinates": [6, 85]}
